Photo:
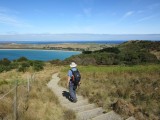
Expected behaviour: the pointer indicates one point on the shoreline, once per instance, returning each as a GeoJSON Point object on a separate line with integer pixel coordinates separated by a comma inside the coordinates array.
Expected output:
{"type": "Point", "coordinates": [37, 49]}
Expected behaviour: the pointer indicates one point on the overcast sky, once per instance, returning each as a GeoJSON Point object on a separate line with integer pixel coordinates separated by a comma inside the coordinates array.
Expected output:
{"type": "Point", "coordinates": [30, 18]}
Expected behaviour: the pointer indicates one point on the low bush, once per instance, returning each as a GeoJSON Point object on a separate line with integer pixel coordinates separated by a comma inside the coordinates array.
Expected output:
{"type": "Point", "coordinates": [22, 59]}
{"type": "Point", "coordinates": [5, 62]}
{"type": "Point", "coordinates": [38, 65]}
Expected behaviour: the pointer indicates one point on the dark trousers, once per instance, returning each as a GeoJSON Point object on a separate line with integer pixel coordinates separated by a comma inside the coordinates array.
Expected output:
{"type": "Point", "coordinates": [72, 91]}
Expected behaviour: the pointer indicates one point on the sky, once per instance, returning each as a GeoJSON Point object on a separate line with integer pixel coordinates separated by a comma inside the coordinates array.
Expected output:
{"type": "Point", "coordinates": [77, 19]}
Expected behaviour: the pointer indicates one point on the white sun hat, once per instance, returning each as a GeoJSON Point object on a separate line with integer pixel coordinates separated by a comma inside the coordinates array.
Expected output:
{"type": "Point", "coordinates": [73, 64]}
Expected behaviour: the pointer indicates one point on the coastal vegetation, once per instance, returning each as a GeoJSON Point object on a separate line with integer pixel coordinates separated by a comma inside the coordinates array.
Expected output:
{"type": "Point", "coordinates": [21, 64]}
{"type": "Point", "coordinates": [128, 53]}
{"type": "Point", "coordinates": [124, 78]}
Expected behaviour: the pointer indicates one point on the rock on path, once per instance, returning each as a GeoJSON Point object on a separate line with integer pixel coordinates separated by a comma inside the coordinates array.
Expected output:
{"type": "Point", "coordinates": [84, 110]}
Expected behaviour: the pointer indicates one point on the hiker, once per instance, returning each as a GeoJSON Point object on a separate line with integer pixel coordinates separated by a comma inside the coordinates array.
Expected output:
{"type": "Point", "coordinates": [73, 81]}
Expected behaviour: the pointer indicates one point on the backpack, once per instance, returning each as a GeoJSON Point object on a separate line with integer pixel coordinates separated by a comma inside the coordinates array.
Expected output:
{"type": "Point", "coordinates": [76, 77]}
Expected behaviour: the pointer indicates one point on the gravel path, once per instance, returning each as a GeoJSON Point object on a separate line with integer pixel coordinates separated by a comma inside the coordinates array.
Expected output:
{"type": "Point", "coordinates": [84, 110]}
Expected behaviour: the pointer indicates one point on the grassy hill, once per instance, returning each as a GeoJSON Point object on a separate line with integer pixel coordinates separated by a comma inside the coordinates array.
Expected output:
{"type": "Point", "coordinates": [128, 53]}
{"type": "Point", "coordinates": [128, 90]}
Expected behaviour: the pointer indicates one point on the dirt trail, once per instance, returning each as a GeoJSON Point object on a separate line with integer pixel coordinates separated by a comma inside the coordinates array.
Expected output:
{"type": "Point", "coordinates": [84, 110]}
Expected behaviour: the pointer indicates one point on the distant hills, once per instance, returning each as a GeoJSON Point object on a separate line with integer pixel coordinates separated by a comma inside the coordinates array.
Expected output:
{"type": "Point", "coordinates": [129, 53]}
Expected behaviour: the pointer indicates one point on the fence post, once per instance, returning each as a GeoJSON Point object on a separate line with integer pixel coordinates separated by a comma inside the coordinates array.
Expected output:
{"type": "Point", "coordinates": [28, 84]}
{"type": "Point", "coordinates": [15, 102]}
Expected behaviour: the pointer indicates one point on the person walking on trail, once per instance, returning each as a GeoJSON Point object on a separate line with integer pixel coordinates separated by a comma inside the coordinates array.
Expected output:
{"type": "Point", "coordinates": [73, 81]}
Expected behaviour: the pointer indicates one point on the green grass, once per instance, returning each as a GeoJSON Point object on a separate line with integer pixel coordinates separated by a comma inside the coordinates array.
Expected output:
{"type": "Point", "coordinates": [138, 85]}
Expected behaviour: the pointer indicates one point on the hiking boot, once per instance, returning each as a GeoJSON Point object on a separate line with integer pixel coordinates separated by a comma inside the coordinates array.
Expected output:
{"type": "Point", "coordinates": [74, 101]}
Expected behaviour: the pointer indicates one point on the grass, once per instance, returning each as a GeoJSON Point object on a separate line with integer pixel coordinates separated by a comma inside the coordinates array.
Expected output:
{"type": "Point", "coordinates": [135, 89]}
{"type": "Point", "coordinates": [40, 104]}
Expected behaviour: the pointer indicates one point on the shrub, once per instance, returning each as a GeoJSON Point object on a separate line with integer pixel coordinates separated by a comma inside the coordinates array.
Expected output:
{"type": "Point", "coordinates": [133, 58]}
{"type": "Point", "coordinates": [5, 68]}
{"type": "Point", "coordinates": [110, 50]}
{"type": "Point", "coordinates": [2, 68]}
{"type": "Point", "coordinates": [21, 59]}
{"type": "Point", "coordinates": [5, 62]}
{"type": "Point", "coordinates": [22, 69]}
{"type": "Point", "coordinates": [25, 64]}
{"type": "Point", "coordinates": [106, 58]}
{"type": "Point", "coordinates": [14, 65]}
{"type": "Point", "coordinates": [87, 52]}
{"type": "Point", "coordinates": [57, 61]}
{"type": "Point", "coordinates": [38, 65]}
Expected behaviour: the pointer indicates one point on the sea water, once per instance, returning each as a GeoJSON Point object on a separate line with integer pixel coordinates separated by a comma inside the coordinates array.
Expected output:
{"type": "Point", "coordinates": [44, 55]}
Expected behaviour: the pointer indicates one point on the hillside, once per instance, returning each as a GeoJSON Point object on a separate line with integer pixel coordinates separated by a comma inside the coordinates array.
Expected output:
{"type": "Point", "coordinates": [60, 46]}
{"type": "Point", "coordinates": [127, 53]}
{"type": "Point", "coordinates": [140, 45]}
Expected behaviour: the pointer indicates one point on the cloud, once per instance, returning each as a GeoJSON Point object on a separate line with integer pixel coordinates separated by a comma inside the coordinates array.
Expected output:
{"type": "Point", "coordinates": [127, 14]}
{"type": "Point", "coordinates": [146, 18]}
{"type": "Point", "coordinates": [11, 20]}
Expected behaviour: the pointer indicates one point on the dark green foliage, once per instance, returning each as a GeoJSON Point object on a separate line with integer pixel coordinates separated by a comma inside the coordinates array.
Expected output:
{"type": "Point", "coordinates": [25, 64]}
{"type": "Point", "coordinates": [38, 65]}
{"type": "Point", "coordinates": [21, 59]}
{"type": "Point", "coordinates": [5, 65]}
{"type": "Point", "coordinates": [129, 53]}
{"type": "Point", "coordinates": [5, 62]}
{"type": "Point", "coordinates": [106, 58]}
{"type": "Point", "coordinates": [109, 50]}
{"type": "Point", "coordinates": [22, 69]}
{"type": "Point", "coordinates": [14, 65]}
{"type": "Point", "coordinates": [147, 57]}
{"type": "Point", "coordinates": [5, 68]}
{"type": "Point", "coordinates": [87, 52]}
{"type": "Point", "coordinates": [2, 68]}
{"type": "Point", "coordinates": [21, 64]}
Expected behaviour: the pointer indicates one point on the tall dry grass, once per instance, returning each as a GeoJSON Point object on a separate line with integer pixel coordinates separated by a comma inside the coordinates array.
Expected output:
{"type": "Point", "coordinates": [129, 90]}
{"type": "Point", "coordinates": [40, 104]}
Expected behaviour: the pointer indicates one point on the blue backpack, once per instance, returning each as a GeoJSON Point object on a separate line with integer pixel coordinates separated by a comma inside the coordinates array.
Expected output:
{"type": "Point", "coordinates": [76, 77]}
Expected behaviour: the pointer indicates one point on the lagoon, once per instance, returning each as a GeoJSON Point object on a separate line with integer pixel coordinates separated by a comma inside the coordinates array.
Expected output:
{"type": "Point", "coordinates": [32, 54]}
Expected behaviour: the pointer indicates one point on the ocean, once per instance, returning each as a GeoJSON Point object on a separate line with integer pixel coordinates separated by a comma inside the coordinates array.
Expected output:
{"type": "Point", "coordinates": [43, 55]}
{"type": "Point", "coordinates": [61, 42]}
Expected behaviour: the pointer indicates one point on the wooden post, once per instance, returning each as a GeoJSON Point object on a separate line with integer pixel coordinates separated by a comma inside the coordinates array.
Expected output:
{"type": "Point", "coordinates": [28, 84]}
{"type": "Point", "coordinates": [15, 101]}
